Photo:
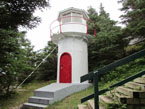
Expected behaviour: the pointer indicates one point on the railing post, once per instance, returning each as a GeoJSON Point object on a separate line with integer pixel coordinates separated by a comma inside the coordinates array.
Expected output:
{"type": "Point", "coordinates": [60, 24]}
{"type": "Point", "coordinates": [96, 96]}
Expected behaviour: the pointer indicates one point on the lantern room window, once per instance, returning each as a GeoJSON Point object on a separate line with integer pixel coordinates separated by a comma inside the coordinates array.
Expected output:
{"type": "Point", "coordinates": [76, 17]}
{"type": "Point", "coordinates": [66, 18]}
{"type": "Point", "coordinates": [72, 17]}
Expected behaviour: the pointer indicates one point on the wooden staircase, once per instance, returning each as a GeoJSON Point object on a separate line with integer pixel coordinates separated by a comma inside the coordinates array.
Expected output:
{"type": "Point", "coordinates": [129, 96]}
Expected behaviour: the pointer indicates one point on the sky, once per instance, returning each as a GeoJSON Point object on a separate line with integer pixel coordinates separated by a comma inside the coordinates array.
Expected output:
{"type": "Point", "coordinates": [40, 35]}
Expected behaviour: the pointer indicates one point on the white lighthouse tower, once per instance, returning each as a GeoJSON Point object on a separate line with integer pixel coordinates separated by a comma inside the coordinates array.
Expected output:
{"type": "Point", "coordinates": [69, 32]}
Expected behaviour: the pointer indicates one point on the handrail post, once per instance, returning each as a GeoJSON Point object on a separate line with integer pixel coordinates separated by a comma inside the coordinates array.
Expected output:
{"type": "Point", "coordinates": [96, 95]}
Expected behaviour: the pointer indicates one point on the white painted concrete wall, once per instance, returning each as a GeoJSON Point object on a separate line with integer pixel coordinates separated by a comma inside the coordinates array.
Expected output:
{"type": "Point", "coordinates": [77, 47]}
{"type": "Point", "coordinates": [74, 27]}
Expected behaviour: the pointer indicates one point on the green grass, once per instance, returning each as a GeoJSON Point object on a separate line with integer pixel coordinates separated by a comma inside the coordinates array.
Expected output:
{"type": "Point", "coordinates": [18, 98]}
{"type": "Point", "coordinates": [135, 48]}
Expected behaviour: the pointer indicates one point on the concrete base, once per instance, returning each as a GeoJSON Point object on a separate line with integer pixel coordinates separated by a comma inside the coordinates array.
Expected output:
{"type": "Point", "coordinates": [52, 93]}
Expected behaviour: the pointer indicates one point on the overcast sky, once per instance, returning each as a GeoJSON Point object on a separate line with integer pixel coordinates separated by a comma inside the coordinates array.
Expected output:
{"type": "Point", "coordinates": [40, 35]}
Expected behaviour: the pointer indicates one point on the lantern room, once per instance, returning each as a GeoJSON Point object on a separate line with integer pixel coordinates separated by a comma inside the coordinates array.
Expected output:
{"type": "Point", "coordinates": [73, 20]}
{"type": "Point", "coordinates": [69, 20]}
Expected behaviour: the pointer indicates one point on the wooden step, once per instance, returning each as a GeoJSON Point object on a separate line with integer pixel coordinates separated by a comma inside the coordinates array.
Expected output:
{"type": "Point", "coordinates": [111, 93]}
{"type": "Point", "coordinates": [130, 92]}
{"type": "Point", "coordinates": [140, 80]}
{"type": "Point", "coordinates": [106, 99]}
{"type": "Point", "coordinates": [115, 95]}
{"type": "Point", "coordinates": [108, 102]}
{"type": "Point", "coordinates": [81, 106]}
{"type": "Point", "coordinates": [122, 98]}
{"type": "Point", "coordinates": [135, 86]}
{"type": "Point", "coordinates": [125, 91]}
{"type": "Point", "coordinates": [91, 104]}
{"type": "Point", "coordinates": [120, 95]}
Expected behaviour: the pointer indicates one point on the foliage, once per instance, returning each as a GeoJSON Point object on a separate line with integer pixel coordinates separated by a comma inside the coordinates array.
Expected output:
{"type": "Point", "coordinates": [133, 17]}
{"type": "Point", "coordinates": [17, 58]}
{"type": "Point", "coordinates": [108, 44]}
{"type": "Point", "coordinates": [26, 59]}
{"type": "Point", "coordinates": [48, 70]}
{"type": "Point", "coordinates": [14, 58]}
{"type": "Point", "coordinates": [14, 13]}
{"type": "Point", "coordinates": [125, 71]}
{"type": "Point", "coordinates": [9, 49]}
{"type": "Point", "coordinates": [134, 48]}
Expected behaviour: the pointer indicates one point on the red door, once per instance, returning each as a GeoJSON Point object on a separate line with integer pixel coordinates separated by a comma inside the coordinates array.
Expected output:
{"type": "Point", "coordinates": [65, 68]}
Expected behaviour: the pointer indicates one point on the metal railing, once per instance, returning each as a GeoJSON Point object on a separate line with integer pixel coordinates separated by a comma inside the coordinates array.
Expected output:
{"type": "Point", "coordinates": [94, 76]}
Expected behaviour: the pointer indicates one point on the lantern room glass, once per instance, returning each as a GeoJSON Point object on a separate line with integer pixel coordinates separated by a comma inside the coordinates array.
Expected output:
{"type": "Point", "coordinates": [72, 17]}
{"type": "Point", "coordinates": [66, 18]}
{"type": "Point", "coordinates": [76, 17]}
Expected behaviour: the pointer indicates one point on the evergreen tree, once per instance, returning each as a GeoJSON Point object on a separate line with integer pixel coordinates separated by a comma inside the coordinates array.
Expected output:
{"type": "Point", "coordinates": [103, 12]}
{"type": "Point", "coordinates": [9, 48]}
{"type": "Point", "coordinates": [17, 57]}
{"type": "Point", "coordinates": [14, 13]}
{"type": "Point", "coordinates": [48, 70]}
{"type": "Point", "coordinates": [134, 17]}
{"type": "Point", "coordinates": [108, 44]}
{"type": "Point", "coordinates": [26, 59]}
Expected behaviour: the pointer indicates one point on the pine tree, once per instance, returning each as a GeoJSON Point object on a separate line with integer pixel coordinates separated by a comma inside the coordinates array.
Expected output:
{"type": "Point", "coordinates": [16, 56]}
{"type": "Point", "coordinates": [134, 17]}
{"type": "Point", "coordinates": [108, 44]}
{"type": "Point", "coordinates": [15, 13]}
{"type": "Point", "coordinates": [48, 70]}
{"type": "Point", "coordinates": [103, 12]}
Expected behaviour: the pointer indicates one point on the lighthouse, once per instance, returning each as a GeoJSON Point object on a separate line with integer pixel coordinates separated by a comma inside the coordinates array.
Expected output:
{"type": "Point", "coordinates": [69, 32]}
